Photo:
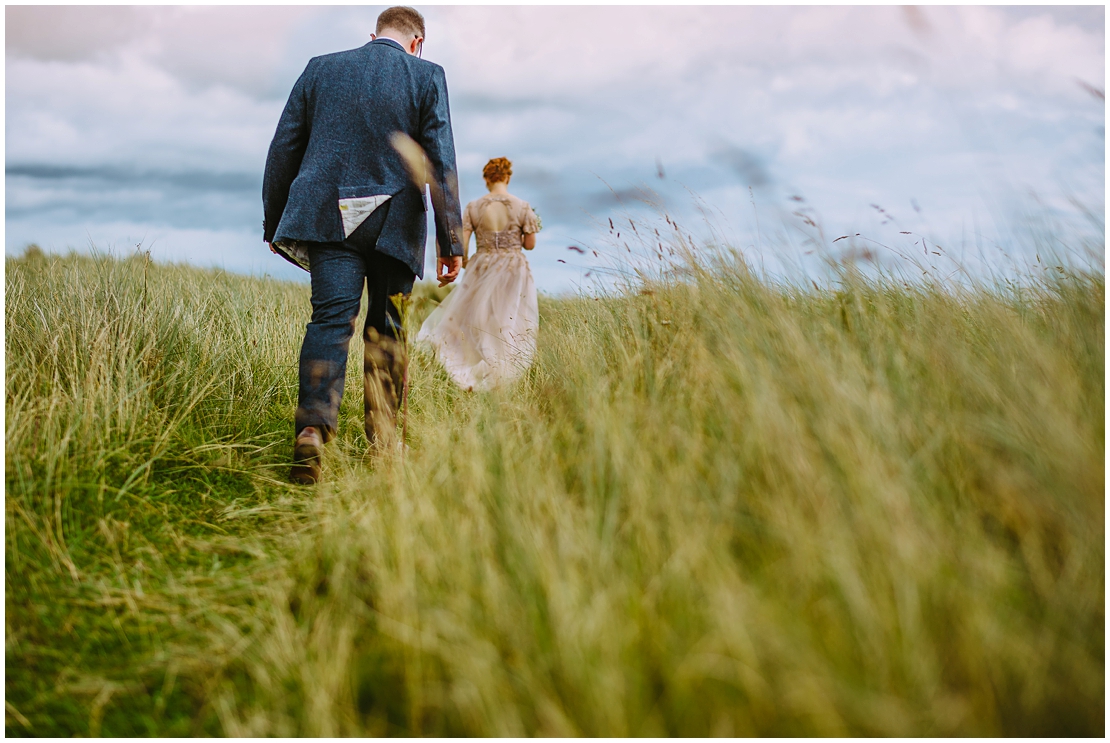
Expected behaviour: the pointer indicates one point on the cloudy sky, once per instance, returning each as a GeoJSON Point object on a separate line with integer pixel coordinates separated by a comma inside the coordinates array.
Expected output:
{"type": "Point", "coordinates": [150, 124]}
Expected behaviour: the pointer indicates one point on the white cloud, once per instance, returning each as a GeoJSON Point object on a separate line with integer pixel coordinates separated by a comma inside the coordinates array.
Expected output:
{"type": "Point", "coordinates": [129, 111]}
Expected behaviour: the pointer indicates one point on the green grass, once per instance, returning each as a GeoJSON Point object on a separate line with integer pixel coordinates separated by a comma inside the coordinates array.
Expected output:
{"type": "Point", "coordinates": [713, 507]}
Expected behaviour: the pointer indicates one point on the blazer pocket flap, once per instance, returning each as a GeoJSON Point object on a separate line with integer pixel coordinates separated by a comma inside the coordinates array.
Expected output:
{"type": "Point", "coordinates": [356, 192]}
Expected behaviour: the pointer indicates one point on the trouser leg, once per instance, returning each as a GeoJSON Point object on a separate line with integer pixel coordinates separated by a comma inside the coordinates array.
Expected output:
{"type": "Point", "coordinates": [338, 273]}
{"type": "Point", "coordinates": [388, 281]}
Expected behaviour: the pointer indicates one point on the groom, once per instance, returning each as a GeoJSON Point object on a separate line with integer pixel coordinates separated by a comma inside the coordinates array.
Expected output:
{"type": "Point", "coordinates": [341, 202]}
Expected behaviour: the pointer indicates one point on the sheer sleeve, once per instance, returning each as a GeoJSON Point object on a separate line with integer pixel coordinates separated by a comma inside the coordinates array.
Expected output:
{"type": "Point", "coordinates": [528, 223]}
{"type": "Point", "coordinates": [468, 223]}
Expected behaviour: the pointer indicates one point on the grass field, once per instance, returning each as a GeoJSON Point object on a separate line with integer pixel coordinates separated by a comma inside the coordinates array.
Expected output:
{"type": "Point", "coordinates": [713, 507]}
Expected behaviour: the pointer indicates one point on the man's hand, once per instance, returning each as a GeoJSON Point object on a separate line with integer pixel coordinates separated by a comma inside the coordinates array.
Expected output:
{"type": "Point", "coordinates": [447, 269]}
{"type": "Point", "coordinates": [272, 249]}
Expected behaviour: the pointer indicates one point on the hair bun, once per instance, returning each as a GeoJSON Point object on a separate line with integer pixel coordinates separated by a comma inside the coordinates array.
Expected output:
{"type": "Point", "coordinates": [497, 170]}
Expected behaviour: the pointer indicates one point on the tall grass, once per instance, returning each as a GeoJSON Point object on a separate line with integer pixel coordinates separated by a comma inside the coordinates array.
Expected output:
{"type": "Point", "coordinates": [713, 507]}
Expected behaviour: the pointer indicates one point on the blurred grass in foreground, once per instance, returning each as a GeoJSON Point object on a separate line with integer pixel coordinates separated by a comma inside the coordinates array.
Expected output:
{"type": "Point", "coordinates": [714, 507]}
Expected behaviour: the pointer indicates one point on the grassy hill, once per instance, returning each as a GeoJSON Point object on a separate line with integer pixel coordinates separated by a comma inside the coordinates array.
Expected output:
{"type": "Point", "coordinates": [713, 507]}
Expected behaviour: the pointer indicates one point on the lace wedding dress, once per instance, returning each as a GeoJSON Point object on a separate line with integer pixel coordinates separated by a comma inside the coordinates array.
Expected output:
{"type": "Point", "coordinates": [484, 333]}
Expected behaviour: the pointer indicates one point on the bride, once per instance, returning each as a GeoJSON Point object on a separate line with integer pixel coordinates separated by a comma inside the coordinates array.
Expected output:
{"type": "Point", "coordinates": [484, 333]}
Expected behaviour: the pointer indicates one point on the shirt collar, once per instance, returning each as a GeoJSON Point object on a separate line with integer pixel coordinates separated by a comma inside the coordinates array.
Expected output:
{"type": "Point", "coordinates": [388, 40]}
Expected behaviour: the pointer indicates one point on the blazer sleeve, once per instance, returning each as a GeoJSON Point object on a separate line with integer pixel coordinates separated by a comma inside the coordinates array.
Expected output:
{"type": "Point", "coordinates": [283, 161]}
{"type": "Point", "coordinates": [439, 144]}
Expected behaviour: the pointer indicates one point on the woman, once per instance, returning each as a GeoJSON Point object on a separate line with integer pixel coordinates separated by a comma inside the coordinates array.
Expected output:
{"type": "Point", "coordinates": [485, 331]}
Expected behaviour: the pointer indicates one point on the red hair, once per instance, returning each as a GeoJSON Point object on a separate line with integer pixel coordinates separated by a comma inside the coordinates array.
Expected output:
{"type": "Point", "coordinates": [497, 170]}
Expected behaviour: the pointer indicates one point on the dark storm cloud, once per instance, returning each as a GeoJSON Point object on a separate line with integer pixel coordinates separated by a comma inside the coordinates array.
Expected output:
{"type": "Point", "coordinates": [750, 168]}
{"type": "Point", "coordinates": [188, 180]}
{"type": "Point", "coordinates": [622, 197]}
{"type": "Point", "coordinates": [185, 199]}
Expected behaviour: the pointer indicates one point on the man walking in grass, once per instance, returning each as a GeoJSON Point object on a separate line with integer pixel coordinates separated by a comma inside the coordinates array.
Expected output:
{"type": "Point", "coordinates": [342, 203]}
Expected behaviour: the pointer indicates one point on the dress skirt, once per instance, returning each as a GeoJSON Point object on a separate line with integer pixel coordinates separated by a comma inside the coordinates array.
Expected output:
{"type": "Point", "coordinates": [484, 333]}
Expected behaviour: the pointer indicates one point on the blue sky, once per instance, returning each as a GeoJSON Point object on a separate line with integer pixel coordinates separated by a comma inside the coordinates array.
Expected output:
{"type": "Point", "coordinates": [151, 123]}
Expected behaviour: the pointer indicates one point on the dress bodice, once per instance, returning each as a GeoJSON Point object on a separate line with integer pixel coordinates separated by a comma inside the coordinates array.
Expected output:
{"type": "Point", "coordinates": [521, 222]}
{"type": "Point", "coordinates": [509, 238]}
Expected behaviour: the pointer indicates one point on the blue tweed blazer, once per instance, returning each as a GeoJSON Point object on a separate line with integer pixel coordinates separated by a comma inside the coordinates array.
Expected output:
{"type": "Point", "coordinates": [334, 142]}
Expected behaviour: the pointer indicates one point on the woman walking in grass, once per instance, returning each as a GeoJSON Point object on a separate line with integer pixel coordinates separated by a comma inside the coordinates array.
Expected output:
{"type": "Point", "coordinates": [484, 333]}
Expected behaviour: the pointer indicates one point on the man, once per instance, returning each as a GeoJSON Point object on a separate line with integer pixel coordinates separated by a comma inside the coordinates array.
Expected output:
{"type": "Point", "coordinates": [341, 202]}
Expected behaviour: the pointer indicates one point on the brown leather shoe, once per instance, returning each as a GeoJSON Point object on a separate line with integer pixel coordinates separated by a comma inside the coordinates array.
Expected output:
{"type": "Point", "coordinates": [307, 451]}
